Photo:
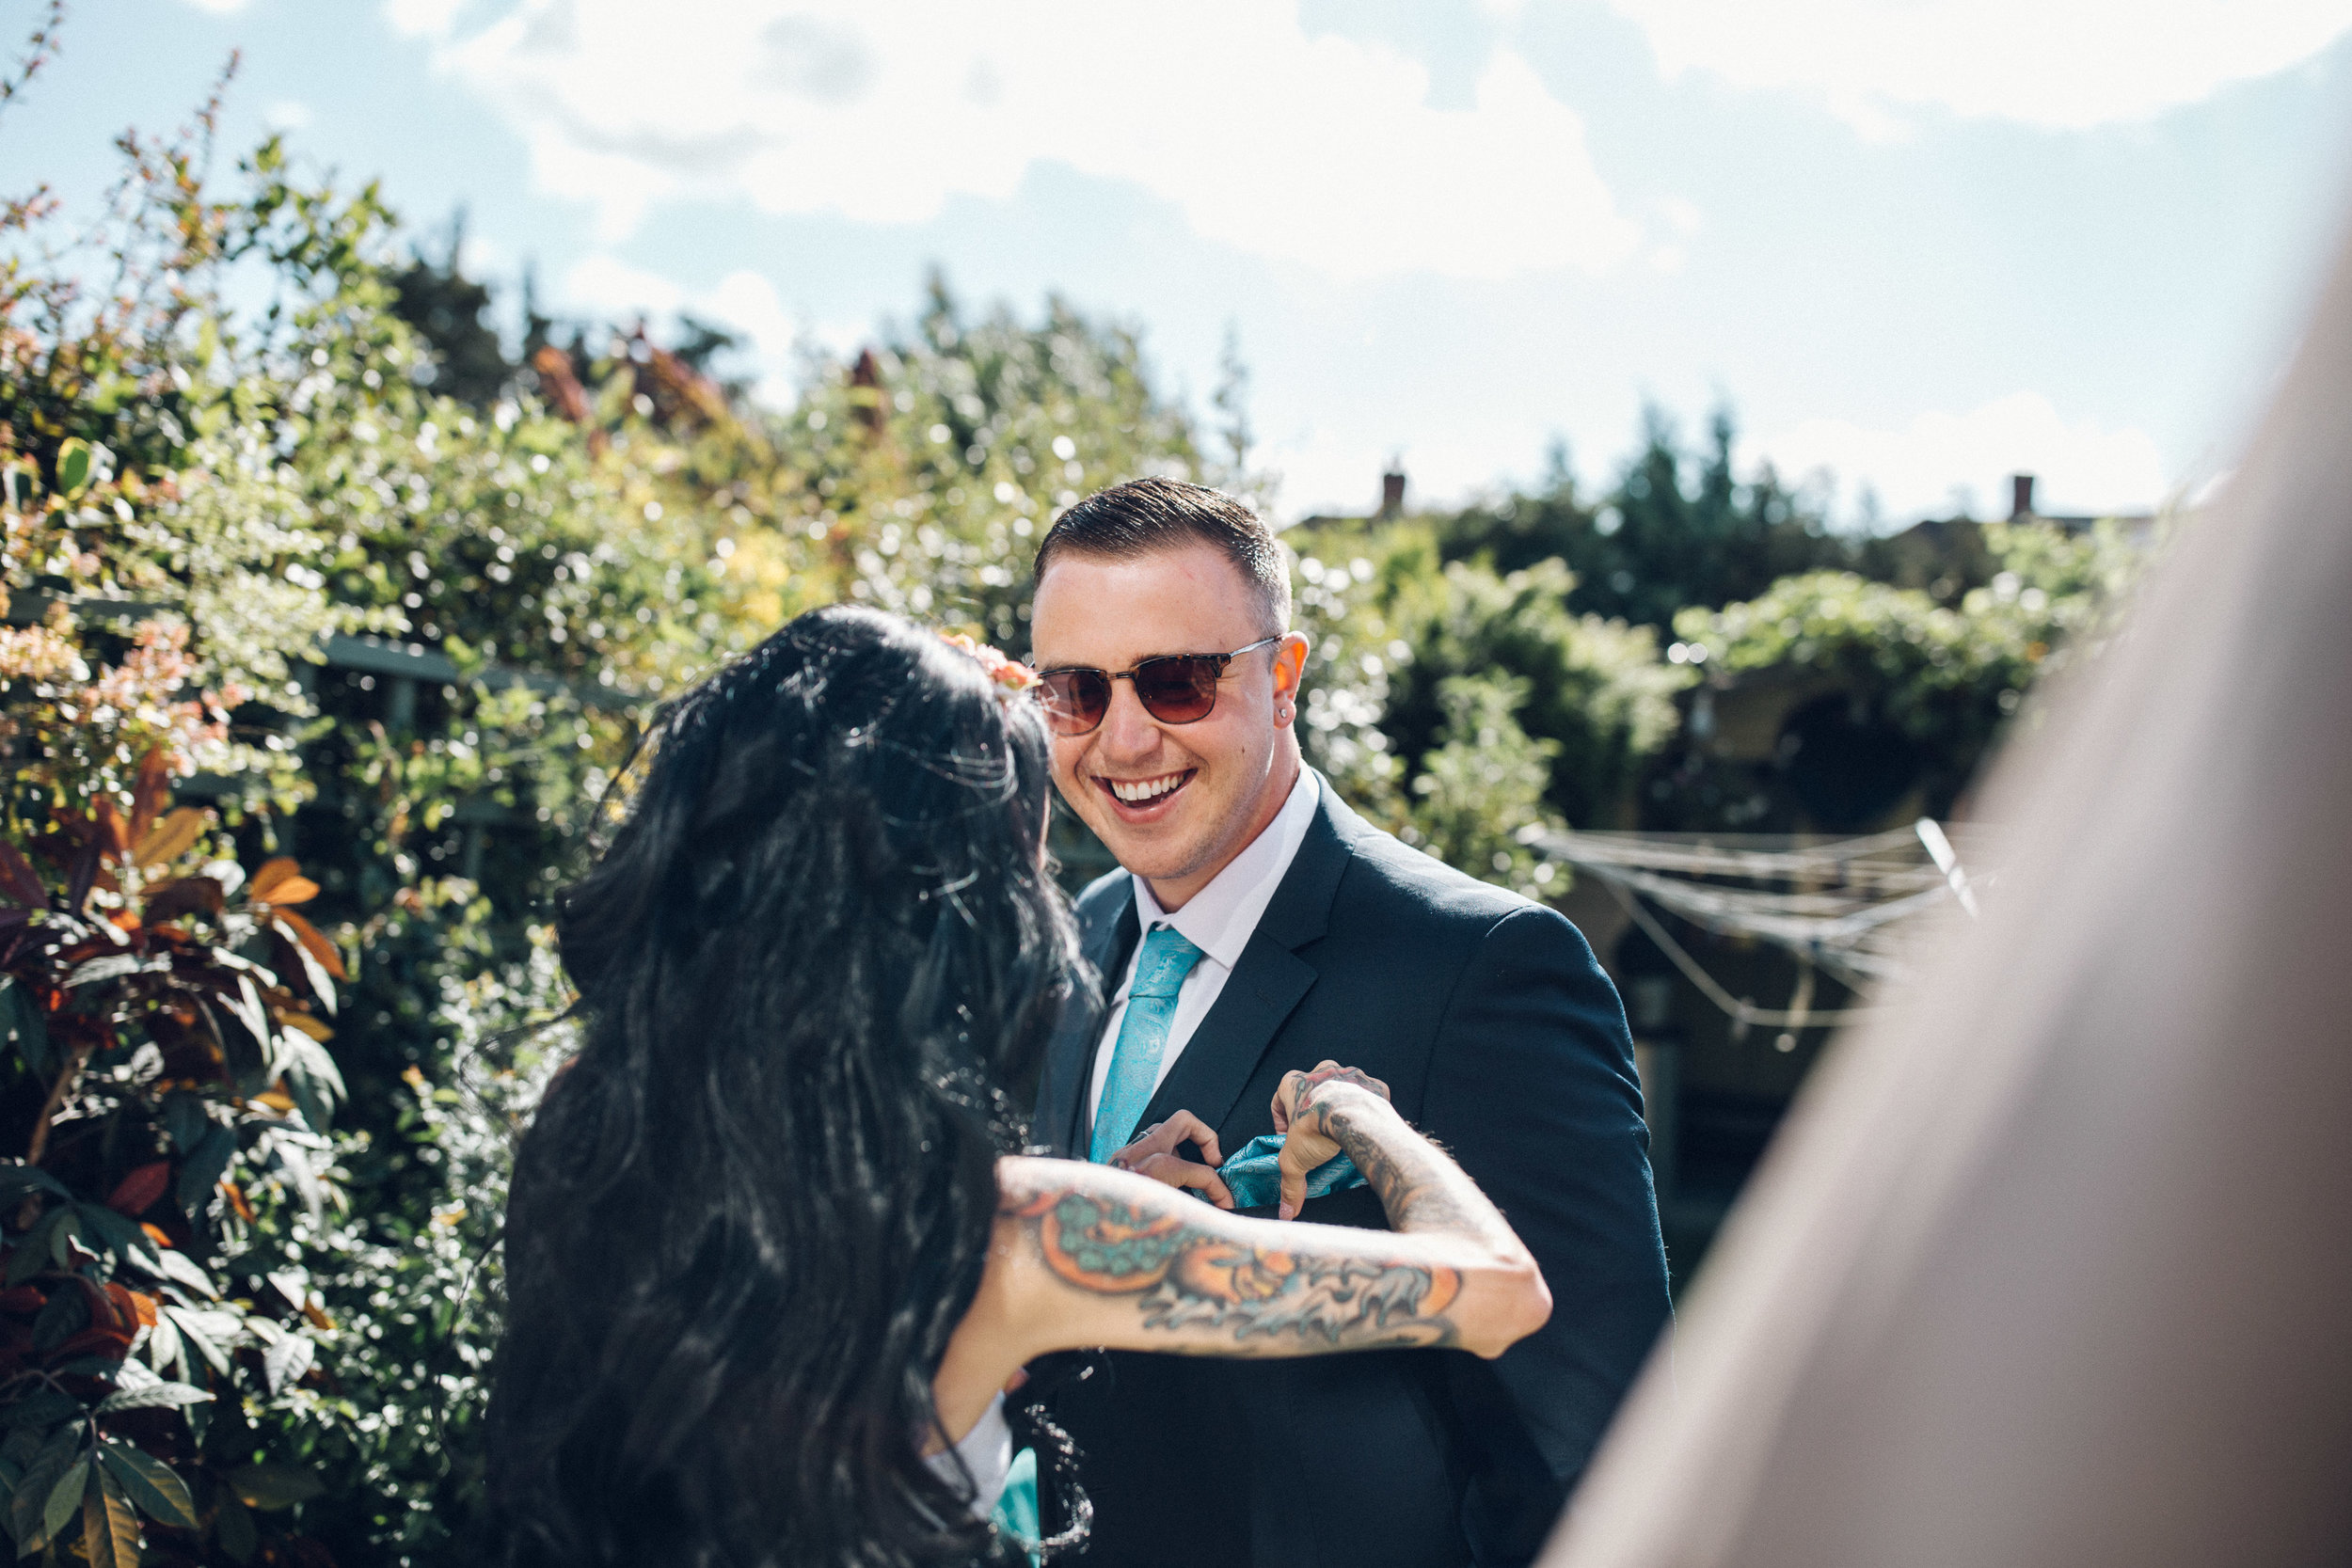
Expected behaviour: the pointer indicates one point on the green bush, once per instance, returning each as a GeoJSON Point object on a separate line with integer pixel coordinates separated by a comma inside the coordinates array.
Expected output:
{"type": "Point", "coordinates": [1947, 678]}
{"type": "Point", "coordinates": [259, 530]}
{"type": "Point", "coordinates": [1462, 708]}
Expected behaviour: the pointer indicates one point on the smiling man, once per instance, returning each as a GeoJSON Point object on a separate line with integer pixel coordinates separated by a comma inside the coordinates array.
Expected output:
{"type": "Point", "coordinates": [1256, 925]}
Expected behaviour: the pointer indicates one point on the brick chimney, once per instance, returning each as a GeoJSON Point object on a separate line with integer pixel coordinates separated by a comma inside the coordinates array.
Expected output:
{"type": "Point", "coordinates": [2021, 494]}
{"type": "Point", "coordinates": [1393, 491]}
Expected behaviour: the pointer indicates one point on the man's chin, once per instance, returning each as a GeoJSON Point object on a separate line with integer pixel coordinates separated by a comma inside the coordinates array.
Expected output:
{"type": "Point", "coordinates": [1162, 851]}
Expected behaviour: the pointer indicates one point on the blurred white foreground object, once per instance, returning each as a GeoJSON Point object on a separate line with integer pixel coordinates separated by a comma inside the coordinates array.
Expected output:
{"type": "Point", "coordinates": [2052, 1265]}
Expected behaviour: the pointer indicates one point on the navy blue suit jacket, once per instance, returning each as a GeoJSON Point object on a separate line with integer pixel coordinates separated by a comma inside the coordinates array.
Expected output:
{"type": "Point", "coordinates": [1499, 1036]}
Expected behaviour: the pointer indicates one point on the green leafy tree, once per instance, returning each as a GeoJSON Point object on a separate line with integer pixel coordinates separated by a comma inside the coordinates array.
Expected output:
{"type": "Point", "coordinates": [1478, 797]}
{"type": "Point", "coordinates": [1946, 679]}
{"type": "Point", "coordinates": [1418, 667]}
{"type": "Point", "coordinates": [1679, 529]}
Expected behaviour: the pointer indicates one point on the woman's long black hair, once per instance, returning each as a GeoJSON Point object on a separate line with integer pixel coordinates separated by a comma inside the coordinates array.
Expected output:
{"type": "Point", "coordinates": [748, 1216]}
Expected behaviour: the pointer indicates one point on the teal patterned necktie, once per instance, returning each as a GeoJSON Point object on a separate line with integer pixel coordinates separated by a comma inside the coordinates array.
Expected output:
{"type": "Point", "coordinates": [1167, 959]}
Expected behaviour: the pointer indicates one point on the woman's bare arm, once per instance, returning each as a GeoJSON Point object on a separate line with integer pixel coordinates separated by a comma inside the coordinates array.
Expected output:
{"type": "Point", "coordinates": [1091, 1255]}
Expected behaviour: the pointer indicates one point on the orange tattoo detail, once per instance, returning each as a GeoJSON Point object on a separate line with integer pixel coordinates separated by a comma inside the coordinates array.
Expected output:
{"type": "Point", "coordinates": [1219, 1271]}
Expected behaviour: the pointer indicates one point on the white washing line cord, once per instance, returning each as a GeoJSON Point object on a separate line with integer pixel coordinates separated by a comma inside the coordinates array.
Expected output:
{"type": "Point", "coordinates": [1740, 1010]}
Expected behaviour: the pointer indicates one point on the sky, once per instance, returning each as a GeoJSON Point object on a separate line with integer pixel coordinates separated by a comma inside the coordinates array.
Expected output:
{"type": "Point", "coordinates": [1913, 245]}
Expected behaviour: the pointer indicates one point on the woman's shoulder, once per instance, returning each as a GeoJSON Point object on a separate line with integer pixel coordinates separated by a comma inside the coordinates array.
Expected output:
{"type": "Point", "coordinates": [1030, 1186]}
{"type": "Point", "coordinates": [1023, 1178]}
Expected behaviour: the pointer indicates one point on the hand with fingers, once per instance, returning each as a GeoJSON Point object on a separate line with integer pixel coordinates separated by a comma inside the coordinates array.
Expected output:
{"type": "Point", "coordinates": [1153, 1154]}
{"type": "Point", "coordinates": [1301, 1107]}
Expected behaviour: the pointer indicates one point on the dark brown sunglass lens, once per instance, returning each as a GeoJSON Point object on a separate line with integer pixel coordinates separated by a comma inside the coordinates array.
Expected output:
{"type": "Point", "coordinates": [1075, 699]}
{"type": "Point", "coordinates": [1177, 690]}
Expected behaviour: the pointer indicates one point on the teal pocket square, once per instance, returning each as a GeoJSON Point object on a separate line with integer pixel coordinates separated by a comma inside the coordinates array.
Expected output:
{"type": "Point", "coordinates": [1254, 1174]}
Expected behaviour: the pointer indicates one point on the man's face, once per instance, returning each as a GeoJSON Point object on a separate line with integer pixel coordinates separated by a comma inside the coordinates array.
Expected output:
{"type": "Point", "coordinates": [1174, 802]}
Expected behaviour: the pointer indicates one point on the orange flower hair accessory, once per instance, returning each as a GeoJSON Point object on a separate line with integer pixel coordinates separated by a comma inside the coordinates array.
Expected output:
{"type": "Point", "coordinates": [1005, 670]}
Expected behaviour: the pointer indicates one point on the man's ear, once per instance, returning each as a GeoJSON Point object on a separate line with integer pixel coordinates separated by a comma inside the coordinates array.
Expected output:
{"type": "Point", "coordinates": [1289, 668]}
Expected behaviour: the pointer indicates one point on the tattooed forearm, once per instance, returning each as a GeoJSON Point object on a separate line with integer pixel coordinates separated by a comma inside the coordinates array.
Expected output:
{"type": "Point", "coordinates": [1185, 1278]}
{"type": "Point", "coordinates": [1418, 1196]}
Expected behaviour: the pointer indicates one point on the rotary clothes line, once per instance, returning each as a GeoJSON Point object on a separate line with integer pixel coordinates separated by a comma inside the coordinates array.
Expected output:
{"type": "Point", "coordinates": [1849, 906]}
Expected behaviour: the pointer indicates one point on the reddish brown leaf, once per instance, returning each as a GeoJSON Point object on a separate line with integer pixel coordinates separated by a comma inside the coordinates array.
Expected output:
{"type": "Point", "coordinates": [152, 793]}
{"type": "Point", "coordinates": [170, 838]}
{"type": "Point", "coordinates": [313, 941]}
{"type": "Point", "coordinates": [294, 889]}
{"type": "Point", "coordinates": [22, 1301]}
{"type": "Point", "coordinates": [155, 1233]}
{"type": "Point", "coordinates": [115, 832]}
{"type": "Point", "coordinates": [85, 875]}
{"type": "Point", "coordinates": [137, 1193]}
{"type": "Point", "coordinates": [110, 1343]}
{"type": "Point", "coordinates": [19, 883]}
{"type": "Point", "coordinates": [141, 1307]}
{"type": "Point", "coordinates": [113, 1323]}
{"type": "Point", "coordinates": [184, 895]}
{"type": "Point", "coordinates": [236, 1198]}
{"type": "Point", "coordinates": [272, 873]}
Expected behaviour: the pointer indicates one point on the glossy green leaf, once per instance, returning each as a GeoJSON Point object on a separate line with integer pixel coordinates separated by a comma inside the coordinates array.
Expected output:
{"type": "Point", "coordinates": [211, 1332]}
{"type": "Point", "coordinates": [164, 1351]}
{"type": "Point", "coordinates": [177, 1266]}
{"type": "Point", "coordinates": [15, 1180]}
{"type": "Point", "coordinates": [23, 1025]}
{"type": "Point", "coordinates": [201, 1170]}
{"type": "Point", "coordinates": [185, 1122]}
{"type": "Point", "coordinates": [31, 1253]}
{"type": "Point", "coordinates": [152, 1396]}
{"type": "Point", "coordinates": [63, 1235]}
{"type": "Point", "coordinates": [29, 1508]}
{"type": "Point", "coordinates": [66, 1314]}
{"type": "Point", "coordinates": [119, 1236]}
{"type": "Point", "coordinates": [153, 1484]}
{"type": "Point", "coordinates": [40, 1410]}
{"type": "Point", "coordinates": [65, 1495]}
{"type": "Point", "coordinates": [100, 971]}
{"type": "Point", "coordinates": [285, 1362]}
{"type": "Point", "coordinates": [110, 1525]}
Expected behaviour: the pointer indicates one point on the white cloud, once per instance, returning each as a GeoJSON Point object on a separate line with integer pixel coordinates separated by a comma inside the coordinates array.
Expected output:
{"type": "Point", "coordinates": [605, 286]}
{"type": "Point", "coordinates": [286, 114]}
{"type": "Point", "coordinates": [428, 18]}
{"type": "Point", "coordinates": [219, 8]}
{"type": "Point", "coordinates": [1922, 467]}
{"type": "Point", "coordinates": [2061, 64]}
{"type": "Point", "coordinates": [1317, 149]}
{"type": "Point", "coordinates": [744, 302]}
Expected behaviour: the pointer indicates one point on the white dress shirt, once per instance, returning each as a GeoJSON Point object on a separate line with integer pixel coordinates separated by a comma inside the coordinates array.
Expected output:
{"type": "Point", "coordinates": [1217, 920]}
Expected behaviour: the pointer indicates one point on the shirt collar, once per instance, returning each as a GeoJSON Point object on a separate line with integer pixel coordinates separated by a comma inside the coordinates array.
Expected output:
{"type": "Point", "coordinates": [1220, 917]}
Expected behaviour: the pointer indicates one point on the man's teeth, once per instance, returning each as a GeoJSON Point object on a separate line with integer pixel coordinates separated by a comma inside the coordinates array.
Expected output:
{"type": "Point", "coordinates": [1134, 792]}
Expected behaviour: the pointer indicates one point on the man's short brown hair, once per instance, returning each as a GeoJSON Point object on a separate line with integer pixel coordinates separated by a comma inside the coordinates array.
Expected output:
{"type": "Point", "coordinates": [1145, 514]}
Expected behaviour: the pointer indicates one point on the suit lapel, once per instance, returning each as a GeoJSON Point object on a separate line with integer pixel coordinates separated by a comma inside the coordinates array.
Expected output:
{"type": "Point", "coordinates": [1106, 940]}
{"type": "Point", "coordinates": [1267, 983]}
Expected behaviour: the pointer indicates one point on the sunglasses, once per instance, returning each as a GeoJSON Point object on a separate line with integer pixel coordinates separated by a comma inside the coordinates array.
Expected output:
{"type": "Point", "coordinates": [1174, 689]}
